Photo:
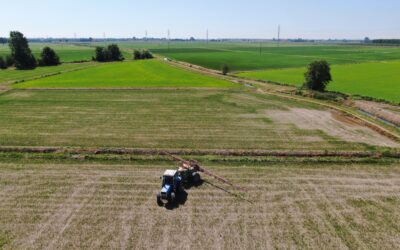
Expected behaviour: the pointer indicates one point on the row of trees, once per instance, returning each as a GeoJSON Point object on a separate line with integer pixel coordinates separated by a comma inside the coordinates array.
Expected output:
{"type": "Point", "coordinates": [108, 54]}
{"type": "Point", "coordinates": [21, 55]}
{"type": "Point", "coordinates": [142, 54]}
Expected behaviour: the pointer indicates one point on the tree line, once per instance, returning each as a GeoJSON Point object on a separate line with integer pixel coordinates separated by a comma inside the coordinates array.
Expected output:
{"type": "Point", "coordinates": [21, 55]}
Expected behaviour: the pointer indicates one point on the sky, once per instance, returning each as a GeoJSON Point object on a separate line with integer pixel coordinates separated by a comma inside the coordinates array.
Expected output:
{"type": "Point", "coordinates": [310, 19]}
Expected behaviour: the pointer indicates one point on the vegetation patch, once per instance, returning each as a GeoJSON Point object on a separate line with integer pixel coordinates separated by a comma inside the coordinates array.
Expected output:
{"type": "Point", "coordinates": [379, 80]}
{"type": "Point", "coordinates": [134, 74]}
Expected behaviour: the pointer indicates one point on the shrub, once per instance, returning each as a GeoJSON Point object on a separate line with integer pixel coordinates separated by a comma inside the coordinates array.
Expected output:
{"type": "Point", "coordinates": [3, 64]}
{"type": "Point", "coordinates": [225, 69]}
{"type": "Point", "coordinates": [9, 61]}
{"type": "Point", "coordinates": [48, 57]}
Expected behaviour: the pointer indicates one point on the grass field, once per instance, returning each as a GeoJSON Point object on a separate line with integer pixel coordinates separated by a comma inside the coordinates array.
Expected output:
{"type": "Point", "coordinates": [185, 119]}
{"type": "Point", "coordinates": [89, 205]}
{"type": "Point", "coordinates": [12, 75]}
{"type": "Point", "coordinates": [375, 79]}
{"type": "Point", "coordinates": [136, 74]}
{"type": "Point", "coordinates": [246, 56]}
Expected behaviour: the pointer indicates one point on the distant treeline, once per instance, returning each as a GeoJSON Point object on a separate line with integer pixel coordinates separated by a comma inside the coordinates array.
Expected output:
{"type": "Point", "coordinates": [386, 41]}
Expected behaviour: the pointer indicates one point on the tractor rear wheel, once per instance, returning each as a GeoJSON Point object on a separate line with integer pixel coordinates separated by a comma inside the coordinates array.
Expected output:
{"type": "Point", "coordinates": [196, 178]}
{"type": "Point", "coordinates": [159, 201]}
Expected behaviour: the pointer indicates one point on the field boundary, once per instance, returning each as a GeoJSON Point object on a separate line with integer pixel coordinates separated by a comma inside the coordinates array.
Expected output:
{"type": "Point", "coordinates": [133, 89]}
{"type": "Point", "coordinates": [200, 152]}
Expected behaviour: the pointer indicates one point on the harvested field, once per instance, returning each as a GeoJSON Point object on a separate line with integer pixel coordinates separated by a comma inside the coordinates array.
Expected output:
{"type": "Point", "coordinates": [66, 205]}
{"type": "Point", "coordinates": [333, 124]}
{"type": "Point", "coordinates": [157, 119]}
{"type": "Point", "coordinates": [384, 111]}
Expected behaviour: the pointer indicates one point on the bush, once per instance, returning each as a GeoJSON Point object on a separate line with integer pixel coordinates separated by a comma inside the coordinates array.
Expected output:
{"type": "Point", "coordinates": [225, 69]}
{"type": "Point", "coordinates": [9, 61]}
{"type": "Point", "coordinates": [318, 75]}
{"type": "Point", "coordinates": [142, 54]}
{"type": "Point", "coordinates": [48, 57]}
{"type": "Point", "coordinates": [3, 64]}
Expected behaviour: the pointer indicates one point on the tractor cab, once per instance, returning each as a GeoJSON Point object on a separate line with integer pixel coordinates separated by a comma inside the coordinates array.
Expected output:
{"type": "Point", "coordinates": [171, 186]}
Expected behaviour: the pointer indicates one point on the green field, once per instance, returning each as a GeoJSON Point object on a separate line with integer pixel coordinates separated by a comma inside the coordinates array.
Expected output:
{"type": "Point", "coordinates": [246, 56]}
{"type": "Point", "coordinates": [67, 52]}
{"type": "Point", "coordinates": [133, 74]}
{"type": "Point", "coordinates": [380, 80]}
{"type": "Point", "coordinates": [12, 75]}
{"type": "Point", "coordinates": [170, 119]}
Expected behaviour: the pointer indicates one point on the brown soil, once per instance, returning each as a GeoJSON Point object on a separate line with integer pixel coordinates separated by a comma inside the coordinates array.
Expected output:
{"type": "Point", "coordinates": [333, 124]}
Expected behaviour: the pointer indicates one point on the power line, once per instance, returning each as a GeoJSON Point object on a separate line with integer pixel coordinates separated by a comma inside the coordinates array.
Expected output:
{"type": "Point", "coordinates": [279, 34]}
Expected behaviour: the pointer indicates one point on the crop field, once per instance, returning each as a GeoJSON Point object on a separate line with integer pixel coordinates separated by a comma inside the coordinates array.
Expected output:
{"type": "Point", "coordinates": [380, 80]}
{"type": "Point", "coordinates": [67, 52]}
{"type": "Point", "coordinates": [247, 56]}
{"type": "Point", "coordinates": [103, 205]}
{"type": "Point", "coordinates": [133, 74]}
{"type": "Point", "coordinates": [191, 119]}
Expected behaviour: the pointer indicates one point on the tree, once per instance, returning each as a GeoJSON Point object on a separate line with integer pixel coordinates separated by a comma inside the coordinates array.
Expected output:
{"type": "Point", "coordinates": [48, 57]}
{"type": "Point", "coordinates": [3, 64]}
{"type": "Point", "coordinates": [142, 54]}
{"type": "Point", "coordinates": [318, 75]}
{"type": "Point", "coordinates": [225, 69]}
{"type": "Point", "coordinates": [146, 54]}
{"type": "Point", "coordinates": [367, 40]}
{"type": "Point", "coordinates": [100, 55]}
{"type": "Point", "coordinates": [115, 53]}
{"type": "Point", "coordinates": [111, 53]}
{"type": "Point", "coordinates": [137, 55]}
{"type": "Point", "coordinates": [20, 51]}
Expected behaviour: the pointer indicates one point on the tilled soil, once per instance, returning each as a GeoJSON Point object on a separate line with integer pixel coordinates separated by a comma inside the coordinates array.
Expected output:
{"type": "Point", "coordinates": [285, 205]}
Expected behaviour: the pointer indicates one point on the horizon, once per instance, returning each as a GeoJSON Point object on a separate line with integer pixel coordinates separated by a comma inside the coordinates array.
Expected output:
{"type": "Point", "coordinates": [255, 19]}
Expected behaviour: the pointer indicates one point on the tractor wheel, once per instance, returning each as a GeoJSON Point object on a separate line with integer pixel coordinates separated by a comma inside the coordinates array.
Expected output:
{"type": "Point", "coordinates": [159, 201]}
{"type": "Point", "coordinates": [173, 197]}
{"type": "Point", "coordinates": [196, 178]}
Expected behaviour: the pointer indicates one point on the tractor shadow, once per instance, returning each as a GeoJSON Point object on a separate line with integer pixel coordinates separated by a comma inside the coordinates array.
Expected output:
{"type": "Point", "coordinates": [183, 196]}
{"type": "Point", "coordinates": [181, 199]}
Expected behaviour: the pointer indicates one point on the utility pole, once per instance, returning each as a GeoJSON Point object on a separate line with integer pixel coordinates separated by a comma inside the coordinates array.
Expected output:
{"type": "Point", "coordinates": [145, 37]}
{"type": "Point", "coordinates": [279, 34]}
{"type": "Point", "coordinates": [207, 37]}
{"type": "Point", "coordinates": [104, 38]}
{"type": "Point", "coordinates": [169, 37]}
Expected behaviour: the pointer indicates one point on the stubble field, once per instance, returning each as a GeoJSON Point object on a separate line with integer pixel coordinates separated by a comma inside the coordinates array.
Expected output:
{"type": "Point", "coordinates": [66, 205]}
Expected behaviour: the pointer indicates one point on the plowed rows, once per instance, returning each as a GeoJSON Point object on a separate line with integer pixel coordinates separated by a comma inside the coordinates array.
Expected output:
{"type": "Point", "coordinates": [65, 206]}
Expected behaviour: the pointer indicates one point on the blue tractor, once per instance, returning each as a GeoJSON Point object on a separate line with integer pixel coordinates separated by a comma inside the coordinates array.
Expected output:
{"type": "Point", "coordinates": [172, 186]}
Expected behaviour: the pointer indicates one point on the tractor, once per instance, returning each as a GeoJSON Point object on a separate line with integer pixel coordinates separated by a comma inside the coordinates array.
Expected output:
{"type": "Point", "coordinates": [170, 188]}
{"type": "Point", "coordinates": [188, 174]}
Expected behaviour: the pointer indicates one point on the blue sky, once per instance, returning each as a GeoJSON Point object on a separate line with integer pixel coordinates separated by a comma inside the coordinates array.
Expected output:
{"type": "Point", "coordinates": [185, 18]}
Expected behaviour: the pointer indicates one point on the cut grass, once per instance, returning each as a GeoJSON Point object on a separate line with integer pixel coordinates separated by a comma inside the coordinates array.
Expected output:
{"type": "Point", "coordinates": [92, 205]}
{"type": "Point", "coordinates": [136, 74]}
{"type": "Point", "coordinates": [379, 80]}
{"type": "Point", "coordinates": [158, 119]}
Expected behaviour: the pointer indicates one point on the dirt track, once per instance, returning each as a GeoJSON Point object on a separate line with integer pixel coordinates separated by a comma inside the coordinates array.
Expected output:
{"type": "Point", "coordinates": [57, 206]}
